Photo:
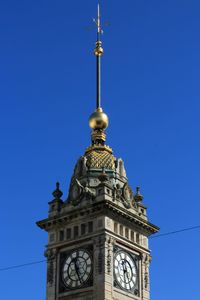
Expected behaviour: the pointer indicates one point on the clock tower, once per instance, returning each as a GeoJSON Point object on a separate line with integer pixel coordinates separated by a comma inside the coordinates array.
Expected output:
{"type": "Point", "coordinates": [98, 237]}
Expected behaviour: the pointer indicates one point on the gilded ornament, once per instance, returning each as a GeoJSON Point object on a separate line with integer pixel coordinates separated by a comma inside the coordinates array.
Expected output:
{"type": "Point", "coordinates": [98, 51]}
{"type": "Point", "coordinates": [98, 119]}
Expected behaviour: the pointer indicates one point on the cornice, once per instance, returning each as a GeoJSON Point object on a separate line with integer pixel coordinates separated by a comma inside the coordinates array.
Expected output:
{"type": "Point", "coordinates": [103, 207]}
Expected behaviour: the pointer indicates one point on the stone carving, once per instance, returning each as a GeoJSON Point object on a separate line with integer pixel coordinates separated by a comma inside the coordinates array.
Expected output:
{"type": "Point", "coordinates": [108, 222]}
{"type": "Point", "coordinates": [100, 261]}
{"type": "Point", "coordinates": [117, 192]}
{"type": "Point", "coordinates": [109, 261]}
{"type": "Point", "coordinates": [50, 273]}
{"type": "Point", "coordinates": [51, 256]}
{"type": "Point", "coordinates": [146, 262]}
{"type": "Point", "coordinates": [123, 194]}
{"type": "Point", "coordinates": [127, 193]}
{"type": "Point", "coordinates": [101, 255]}
{"type": "Point", "coordinates": [86, 190]}
{"type": "Point", "coordinates": [119, 165]}
{"type": "Point", "coordinates": [75, 193]}
{"type": "Point", "coordinates": [109, 245]}
{"type": "Point", "coordinates": [78, 191]}
{"type": "Point", "coordinates": [81, 167]}
{"type": "Point", "coordinates": [99, 245]}
{"type": "Point", "coordinates": [80, 170]}
{"type": "Point", "coordinates": [146, 280]}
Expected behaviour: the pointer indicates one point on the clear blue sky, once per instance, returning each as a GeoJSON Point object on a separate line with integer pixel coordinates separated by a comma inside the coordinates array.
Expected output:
{"type": "Point", "coordinates": [151, 93]}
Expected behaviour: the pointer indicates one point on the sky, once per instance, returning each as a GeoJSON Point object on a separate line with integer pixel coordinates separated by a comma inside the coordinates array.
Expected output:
{"type": "Point", "coordinates": [150, 90]}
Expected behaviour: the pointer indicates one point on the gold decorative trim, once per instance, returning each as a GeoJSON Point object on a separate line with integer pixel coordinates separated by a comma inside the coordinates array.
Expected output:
{"type": "Point", "coordinates": [99, 148]}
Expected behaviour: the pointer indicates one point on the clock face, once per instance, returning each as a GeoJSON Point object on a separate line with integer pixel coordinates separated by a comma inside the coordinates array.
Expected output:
{"type": "Point", "coordinates": [77, 269]}
{"type": "Point", "coordinates": [125, 270]}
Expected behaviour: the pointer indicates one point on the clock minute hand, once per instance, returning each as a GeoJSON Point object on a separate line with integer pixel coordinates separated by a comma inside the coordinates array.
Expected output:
{"type": "Point", "coordinates": [127, 275]}
{"type": "Point", "coordinates": [77, 270]}
{"type": "Point", "coordinates": [124, 270]}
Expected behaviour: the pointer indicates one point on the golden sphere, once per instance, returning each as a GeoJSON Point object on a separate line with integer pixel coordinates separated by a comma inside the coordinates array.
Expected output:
{"type": "Point", "coordinates": [98, 120]}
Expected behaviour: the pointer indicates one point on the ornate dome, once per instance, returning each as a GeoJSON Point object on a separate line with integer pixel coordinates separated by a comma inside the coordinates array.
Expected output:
{"type": "Point", "coordinates": [100, 157]}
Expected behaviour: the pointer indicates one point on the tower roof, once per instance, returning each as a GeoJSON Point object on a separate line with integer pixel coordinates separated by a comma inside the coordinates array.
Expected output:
{"type": "Point", "coordinates": [99, 157]}
{"type": "Point", "coordinates": [99, 180]}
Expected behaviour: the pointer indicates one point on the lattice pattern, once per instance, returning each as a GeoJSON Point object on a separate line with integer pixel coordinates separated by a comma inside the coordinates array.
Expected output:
{"type": "Point", "coordinates": [100, 159]}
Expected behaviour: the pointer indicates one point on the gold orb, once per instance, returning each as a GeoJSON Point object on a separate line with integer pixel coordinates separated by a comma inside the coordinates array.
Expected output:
{"type": "Point", "coordinates": [98, 120]}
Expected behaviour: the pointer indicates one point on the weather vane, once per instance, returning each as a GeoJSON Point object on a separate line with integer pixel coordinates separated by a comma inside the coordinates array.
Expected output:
{"type": "Point", "coordinates": [98, 22]}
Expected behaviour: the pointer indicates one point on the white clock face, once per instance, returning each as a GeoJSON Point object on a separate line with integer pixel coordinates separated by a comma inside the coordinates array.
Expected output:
{"type": "Point", "coordinates": [77, 268]}
{"type": "Point", "coordinates": [125, 270]}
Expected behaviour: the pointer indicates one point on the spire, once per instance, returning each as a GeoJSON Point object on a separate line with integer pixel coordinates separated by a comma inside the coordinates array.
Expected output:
{"type": "Point", "coordinates": [98, 120]}
{"type": "Point", "coordinates": [98, 51]}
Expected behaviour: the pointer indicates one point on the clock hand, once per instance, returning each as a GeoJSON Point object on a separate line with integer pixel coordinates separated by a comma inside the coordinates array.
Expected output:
{"type": "Point", "coordinates": [124, 270]}
{"type": "Point", "coordinates": [77, 270]}
{"type": "Point", "coordinates": [70, 270]}
{"type": "Point", "coordinates": [128, 276]}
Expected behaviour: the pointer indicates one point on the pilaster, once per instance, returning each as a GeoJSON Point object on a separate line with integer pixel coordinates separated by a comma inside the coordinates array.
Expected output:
{"type": "Point", "coordinates": [51, 287]}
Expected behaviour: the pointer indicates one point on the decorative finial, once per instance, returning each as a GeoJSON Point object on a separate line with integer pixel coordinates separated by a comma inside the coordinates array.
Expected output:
{"type": "Point", "coordinates": [138, 197]}
{"type": "Point", "coordinates": [98, 120]}
{"type": "Point", "coordinates": [57, 193]}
